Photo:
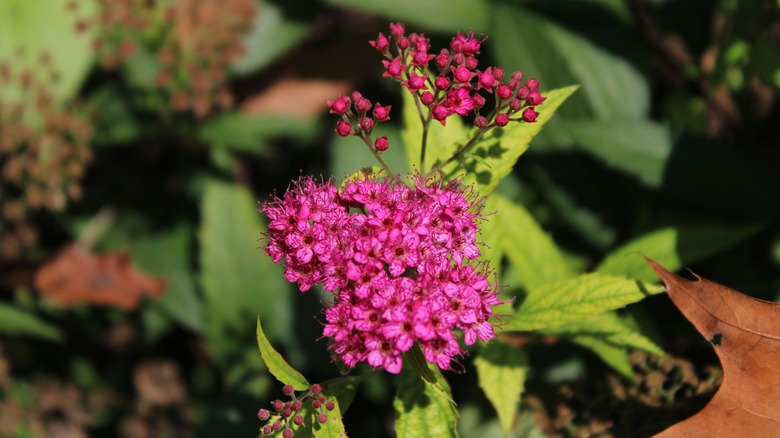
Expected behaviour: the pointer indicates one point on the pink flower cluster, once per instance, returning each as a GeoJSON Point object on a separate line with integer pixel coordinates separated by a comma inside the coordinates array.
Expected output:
{"type": "Point", "coordinates": [397, 259]}
{"type": "Point", "coordinates": [454, 88]}
{"type": "Point", "coordinates": [358, 121]}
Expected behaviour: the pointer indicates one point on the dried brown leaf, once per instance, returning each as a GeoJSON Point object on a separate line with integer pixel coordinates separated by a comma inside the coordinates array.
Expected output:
{"type": "Point", "coordinates": [745, 333]}
{"type": "Point", "coordinates": [76, 276]}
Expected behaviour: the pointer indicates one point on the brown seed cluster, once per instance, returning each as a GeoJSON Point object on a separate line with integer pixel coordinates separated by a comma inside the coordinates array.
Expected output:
{"type": "Point", "coordinates": [194, 42]}
{"type": "Point", "coordinates": [44, 150]}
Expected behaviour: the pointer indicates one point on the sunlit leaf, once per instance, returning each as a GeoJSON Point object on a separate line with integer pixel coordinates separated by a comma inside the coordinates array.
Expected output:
{"type": "Point", "coordinates": [562, 302]}
{"type": "Point", "coordinates": [276, 363]}
{"type": "Point", "coordinates": [501, 369]}
{"type": "Point", "coordinates": [334, 426]}
{"type": "Point", "coordinates": [420, 411]}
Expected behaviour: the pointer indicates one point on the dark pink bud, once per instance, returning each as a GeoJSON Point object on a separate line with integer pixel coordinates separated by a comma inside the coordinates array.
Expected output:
{"type": "Point", "coordinates": [343, 129]}
{"type": "Point", "coordinates": [486, 79]}
{"type": "Point", "coordinates": [502, 119]}
{"type": "Point", "coordinates": [381, 144]}
{"type": "Point", "coordinates": [340, 105]}
{"type": "Point", "coordinates": [457, 43]}
{"type": "Point", "coordinates": [263, 415]}
{"type": "Point", "coordinates": [287, 433]}
{"type": "Point", "coordinates": [532, 83]}
{"type": "Point", "coordinates": [277, 425]}
{"type": "Point", "coordinates": [393, 68]}
{"type": "Point", "coordinates": [381, 43]}
{"type": "Point", "coordinates": [479, 101]}
{"type": "Point", "coordinates": [288, 390]}
{"type": "Point", "coordinates": [421, 59]}
{"type": "Point", "coordinates": [415, 82]}
{"type": "Point", "coordinates": [298, 420]}
{"type": "Point", "coordinates": [316, 388]}
{"type": "Point", "coordinates": [382, 113]}
{"type": "Point", "coordinates": [403, 42]}
{"type": "Point", "coordinates": [458, 59]}
{"type": "Point", "coordinates": [295, 406]}
{"type": "Point", "coordinates": [322, 399]}
{"type": "Point", "coordinates": [515, 104]}
{"type": "Point", "coordinates": [442, 60]}
{"type": "Point", "coordinates": [366, 123]}
{"type": "Point", "coordinates": [356, 96]}
{"type": "Point", "coordinates": [529, 115]}
{"type": "Point", "coordinates": [471, 62]}
{"type": "Point", "coordinates": [362, 105]}
{"type": "Point", "coordinates": [441, 113]}
{"type": "Point", "coordinates": [427, 98]}
{"type": "Point", "coordinates": [535, 98]}
{"type": "Point", "coordinates": [330, 405]}
{"type": "Point", "coordinates": [267, 430]}
{"type": "Point", "coordinates": [286, 413]}
{"type": "Point", "coordinates": [517, 75]}
{"type": "Point", "coordinates": [397, 29]}
{"type": "Point", "coordinates": [278, 405]}
{"type": "Point", "coordinates": [422, 44]}
{"type": "Point", "coordinates": [504, 92]}
{"type": "Point", "coordinates": [480, 122]}
{"type": "Point", "coordinates": [523, 92]}
{"type": "Point", "coordinates": [462, 75]}
{"type": "Point", "coordinates": [322, 418]}
{"type": "Point", "coordinates": [498, 73]}
{"type": "Point", "coordinates": [413, 38]}
{"type": "Point", "coordinates": [315, 404]}
{"type": "Point", "coordinates": [442, 82]}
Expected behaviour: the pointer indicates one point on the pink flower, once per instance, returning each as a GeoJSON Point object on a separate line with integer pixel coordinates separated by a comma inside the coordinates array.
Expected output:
{"type": "Point", "coordinates": [343, 128]}
{"type": "Point", "coordinates": [502, 119]}
{"type": "Point", "coordinates": [382, 113]}
{"type": "Point", "coordinates": [440, 113]}
{"type": "Point", "coordinates": [529, 115]}
{"type": "Point", "coordinates": [462, 74]}
{"type": "Point", "coordinates": [381, 43]}
{"type": "Point", "coordinates": [415, 82]}
{"type": "Point", "coordinates": [394, 68]}
{"type": "Point", "coordinates": [340, 105]}
{"type": "Point", "coordinates": [397, 29]}
{"type": "Point", "coordinates": [381, 144]}
{"type": "Point", "coordinates": [459, 101]}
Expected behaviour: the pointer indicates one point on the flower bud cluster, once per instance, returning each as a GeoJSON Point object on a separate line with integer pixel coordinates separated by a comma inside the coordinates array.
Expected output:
{"type": "Point", "coordinates": [450, 83]}
{"type": "Point", "coordinates": [287, 416]}
{"type": "Point", "coordinates": [358, 119]}
{"type": "Point", "coordinates": [398, 261]}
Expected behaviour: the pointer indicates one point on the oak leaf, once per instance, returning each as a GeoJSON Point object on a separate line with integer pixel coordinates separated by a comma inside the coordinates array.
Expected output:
{"type": "Point", "coordinates": [76, 276]}
{"type": "Point", "coordinates": [745, 333]}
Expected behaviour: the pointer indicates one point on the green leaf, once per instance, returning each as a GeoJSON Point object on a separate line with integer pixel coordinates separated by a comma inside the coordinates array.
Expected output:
{"type": "Point", "coordinates": [428, 373]}
{"type": "Point", "coordinates": [168, 254]}
{"type": "Point", "coordinates": [238, 279]}
{"type": "Point", "coordinates": [566, 301]}
{"type": "Point", "coordinates": [244, 133]}
{"type": "Point", "coordinates": [639, 148]}
{"type": "Point", "coordinates": [673, 248]}
{"type": "Point", "coordinates": [334, 427]}
{"type": "Point", "coordinates": [271, 36]}
{"type": "Point", "coordinates": [531, 252]}
{"type": "Point", "coordinates": [420, 411]}
{"type": "Point", "coordinates": [495, 153]}
{"type": "Point", "coordinates": [30, 29]}
{"type": "Point", "coordinates": [501, 369]}
{"type": "Point", "coordinates": [276, 363]}
{"type": "Point", "coordinates": [17, 322]}
{"type": "Point", "coordinates": [611, 87]}
{"type": "Point", "coordinates": [439, 15]}
{"type": "Point", "coordinates": [614, 356]}
{"type": "Point", "coordinates": [443, 140]}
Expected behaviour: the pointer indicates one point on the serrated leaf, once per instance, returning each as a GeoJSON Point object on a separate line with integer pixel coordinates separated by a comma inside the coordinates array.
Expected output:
{"type": "Point", "coordinates": [441, 15]}
{"type": "Point", "coordinates": [420, 411]}
{"type": "Point", "coordinates": [441, 138]}
{"type": "Point", "coordinates": [531, 252]}
{"type": "Point", "coordinates": [334, 426]}
{"type": "Point", "coordinates": [494, 154]}
{"type": "Point", "coordinates": [566, 301]}
{"type": "Point", "coordinates": [673, 248]}
{"type": "Point", "coordinates": [239, 281]}
{"type": "Point", "coordinates": [19, 323]}
{"type": "Point", "coordinates": [276, 363]}
{"type": "Point", "coordinates": [501, 370]}
{"type": "Point", "coordinates": [611, 329]}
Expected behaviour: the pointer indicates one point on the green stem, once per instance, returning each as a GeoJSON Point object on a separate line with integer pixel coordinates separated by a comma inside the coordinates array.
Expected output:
{"type": "Point", "coordinates": [378, 157]}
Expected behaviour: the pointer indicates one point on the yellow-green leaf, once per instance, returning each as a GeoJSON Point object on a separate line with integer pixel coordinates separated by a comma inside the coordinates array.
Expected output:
{"type": "Point", "coordinates": [501, 370]}
{"type": "Point", "coordinates": [421, 411]}
{"type": "Point", "coordinates": [334, 426]}
{"type": "Point", "coordinates": [276, 363]}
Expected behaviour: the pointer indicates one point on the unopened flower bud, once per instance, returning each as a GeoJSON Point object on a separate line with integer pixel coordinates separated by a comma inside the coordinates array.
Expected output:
{"type": "Point", "coordinates": [441, 113]}
{"type": "Point", "coordinates": [443, 59]}
{"type": "Point", "coordinates": [479, 101]}
{"type": "Point", "coordinates": [316, 388]}
{"type": "Point", "coordinates": [515, 104]}
{"type": "Point", "coordinates": [322, 418]}
{"type": "Point", "coordinates": [535, 98]}
{"type": "Point", "coordinates": [362, 105]}
{"type": "Point", "coordinates": [442, 82]}
{"type": "Point", "coordinates": [523, 92]}
{"type": "Point", "coordinates": [340, 105]}
{"type": "Point", "coordinates": [298, 420]}
{"type": "Point", "coordinates": [263, 414]}
{"type": "Point", "coordinates": [498, 73]}
{"type": "Point", "coordinates": [267, 430]}
{"type": "Point", "coordinates": [277, 425]}
{"type": "Point", "coordinates": [330, 405]}
{"type": "Point", "coordinates": [427, 98]}
{"type": "Point", "coordinates": [287, 433]}
{"type": "Point", "coordinates": [532, 83]}
{"type": "Point", "coordinates": [381, 43]}
{"type": "Point", "coordinates": [502, 119]}
{"type": "Point", "coordinates": [295, 406]}
{"type": "Point", "coordinates": [278, 405]}
{"type": "Point", "coordinates": [343, 129]}
{"type": "Point", "coordinates": [403, 43]}
{"type": "Point", "coordinates": [397, 29]}
{"type": "Point", "coordinates": [480, 122]}
{"type": "Point", "coordinates": [366, 123]}
{"type": "Point", "coordinates": [504, 92]}
{"type": "Point", "coordinates": [471, 62]}
{"type": "Point", "coordinates": [458, 58]}
{"type": "Point", "coordinates": [462, 74]}
{"type": "Point", "coordinates": [382, 113]}
{"type": "Point", "coordinates": [288, 390]}
{"type": "Point", "coordinates": [286, 413]}
{"type": "Point", "coordinates": [381, 144]}
{"type": "Point", "coordinates": [356, 96]}
{"type": "Point", "coordinates": [529, 115]}
{"type": "Point", "coordinates": [315, 404]}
